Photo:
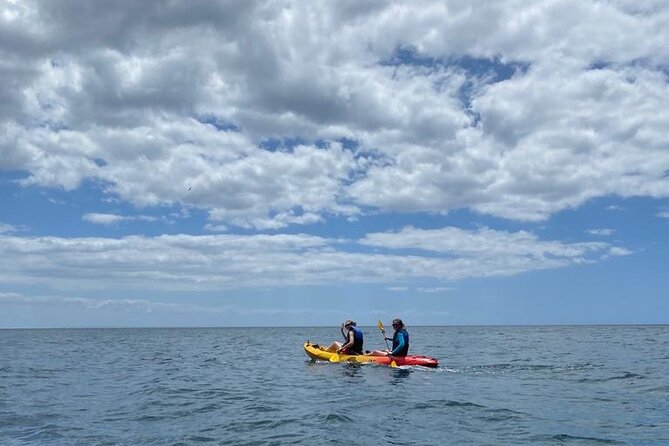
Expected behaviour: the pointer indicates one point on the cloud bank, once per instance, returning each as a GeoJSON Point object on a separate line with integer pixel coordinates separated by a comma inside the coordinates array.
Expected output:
{"type": "Point", "coordinates": [214, 262]}
{"type": "Point", "coordinates": [268, 114]}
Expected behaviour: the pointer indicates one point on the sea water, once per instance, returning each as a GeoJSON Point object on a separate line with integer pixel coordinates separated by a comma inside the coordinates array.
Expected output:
{"type": "Point", "coordinates": [255, 386]}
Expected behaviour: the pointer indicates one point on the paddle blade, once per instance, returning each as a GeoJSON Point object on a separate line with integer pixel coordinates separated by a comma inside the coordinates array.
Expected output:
{"type": "Point", "coordinates": [380, 325]}
{"type": "Point", "coordinates": [334, 358]}
{"type": "Point", "coordinates": [393, 364]}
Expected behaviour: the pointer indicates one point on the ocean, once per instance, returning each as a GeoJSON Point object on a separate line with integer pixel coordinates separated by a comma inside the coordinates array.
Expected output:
{"type": "Point", "coordinates": [536, 385]}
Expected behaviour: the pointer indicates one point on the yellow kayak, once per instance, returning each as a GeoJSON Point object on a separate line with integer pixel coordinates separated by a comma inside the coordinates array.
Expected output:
{"type": "Point", "coordinates": [317, 352]}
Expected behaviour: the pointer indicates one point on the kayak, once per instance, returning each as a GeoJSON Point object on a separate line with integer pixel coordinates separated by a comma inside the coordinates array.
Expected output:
{"type": "Point", "coordinates": [317, 352]}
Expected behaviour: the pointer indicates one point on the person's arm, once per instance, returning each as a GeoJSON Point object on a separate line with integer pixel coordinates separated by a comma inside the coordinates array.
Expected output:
{"type": "Point", "coordinates": [386, 337]}
{"type": "Point", "coordinates": [345, 335]}
{"type": "Point", "coordinates": [349, 341]}
{"type": "Point", "coordinates": [400, 345]}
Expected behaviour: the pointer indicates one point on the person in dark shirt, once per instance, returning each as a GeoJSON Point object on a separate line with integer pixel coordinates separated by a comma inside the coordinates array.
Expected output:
{"type": "Point", "coordinates": [353, 340]}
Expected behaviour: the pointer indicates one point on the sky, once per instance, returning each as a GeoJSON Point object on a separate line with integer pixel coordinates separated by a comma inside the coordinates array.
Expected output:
{"type": "Point", "coordinates": [292, 163]}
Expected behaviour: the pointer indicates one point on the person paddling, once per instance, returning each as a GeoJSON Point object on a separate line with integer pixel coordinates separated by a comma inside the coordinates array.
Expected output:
{"type": "Point", "coordinates": [353, 338]}
{"type": "Point", "coordinates": [400, 339]}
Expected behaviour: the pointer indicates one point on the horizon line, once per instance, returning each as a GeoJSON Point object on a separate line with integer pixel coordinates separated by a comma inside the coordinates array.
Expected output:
{"type": "Point", "coordinates": [177, 327]}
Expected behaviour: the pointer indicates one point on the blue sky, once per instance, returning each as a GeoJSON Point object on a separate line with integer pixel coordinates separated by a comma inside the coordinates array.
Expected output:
{"type": "Point", "coordinates": [301, 163]}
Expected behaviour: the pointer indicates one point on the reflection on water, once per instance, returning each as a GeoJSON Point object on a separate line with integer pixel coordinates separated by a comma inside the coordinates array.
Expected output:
{"type": "Point", "coordinates": [350, 369]}
{"type": "Point", "coordinates": [400, 374]}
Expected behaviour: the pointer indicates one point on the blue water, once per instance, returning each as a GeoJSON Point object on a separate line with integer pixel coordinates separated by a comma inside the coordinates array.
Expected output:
{"type": "Point", "coordinates": [255, 386]}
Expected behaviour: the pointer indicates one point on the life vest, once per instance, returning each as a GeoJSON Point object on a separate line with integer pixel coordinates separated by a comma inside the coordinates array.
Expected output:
{"type": "Point", "coordinates": [356, 348]}
{"type": "Point", "coordinates": [396, 342]}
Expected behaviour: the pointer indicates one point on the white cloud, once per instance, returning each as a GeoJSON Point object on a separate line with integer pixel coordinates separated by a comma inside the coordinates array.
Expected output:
{"type": "Point", "coordinates": [483, 243]}
{"type": "Point", "coordinates": [139, 305]}
{"type": "Point", "coordinates": [601, 231]}
{"type": "Point", "coordinates": [216, 228]}
{"type": "Point", "coordinates": [103, 219]}
{"type": "Point", "coordinates": [111, 219]}
{"type": "Point", "coordinates": [436, 289]}
{"type": "Point", "coordinates": [123, 95]}
{"type": "Point", "coordinates": [663, 214]}
{"type": "Point", "coordinates": [123, 304]}
{"type": "Point", "coordinates": [535, 152]}
{"type": "Point", "coordinates": [9, 296]}
{"type": "Point", "coordinates": [618, 251]}
{"type": "Point", "coordinates": [182, 262]}
{"type": "Point", "coordinates": [7, 229]}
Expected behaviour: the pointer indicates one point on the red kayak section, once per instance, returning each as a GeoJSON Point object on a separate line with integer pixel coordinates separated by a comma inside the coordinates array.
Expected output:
{"type": "Point", "coordinates": [424, 361]}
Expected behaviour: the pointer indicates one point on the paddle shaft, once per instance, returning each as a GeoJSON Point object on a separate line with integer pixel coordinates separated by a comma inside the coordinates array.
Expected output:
{"type": "Point", "coordinates": [383, 332]}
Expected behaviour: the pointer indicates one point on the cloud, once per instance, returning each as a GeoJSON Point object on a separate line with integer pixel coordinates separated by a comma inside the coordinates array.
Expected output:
{"type": "Point", "coordinates": [103, 219]}
{"type": "Point", "coordinates": [535, 153]}
{"type": "Point", "coordinates": [618, 251]}
{"type": "Point", "coordinates": [7, 229]}
{"type": "Point", "coordinates": [142, 306]}
{"type": "Point", "coordinates": [511, 109]}
{"type": "Point", "coordinates": [601, 231]}
{"type": "Point", "coordinates": [429, 290]}
{"type": "Point", "coordinates": [111, 219]}
{"type": "Point", "coordinates": [483, 243]}
{"type": "Point", "coordinates": [663, 214]}
{"type": "Point", "coordinates": [131, 305]}
{"type": "Point", "coordinates": [436, 289]}
{"type": "Point", "coordinates": [216, 228]}
{"type": "Point", "coordinates": [225, 261]}
{"type": "Point", "coordinates": [9, 296]}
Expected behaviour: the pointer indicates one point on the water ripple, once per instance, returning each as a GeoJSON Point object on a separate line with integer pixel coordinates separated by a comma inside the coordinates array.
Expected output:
{"type": "Point", "coordinates": [445, 403]}
{"type": "Point", "coordinates": [571, 439]}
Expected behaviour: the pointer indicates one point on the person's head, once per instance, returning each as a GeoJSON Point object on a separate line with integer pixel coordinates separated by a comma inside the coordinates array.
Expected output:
{"type": "Point", "coordinates": [349, 324]}
{"type": "Point", "coordinates": [398, 324]}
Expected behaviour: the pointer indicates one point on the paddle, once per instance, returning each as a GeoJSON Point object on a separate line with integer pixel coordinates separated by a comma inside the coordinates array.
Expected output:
{"type": "Point", "coordinates": [380, 325]}
{"type": "Point", "coordinates": [393, 364]}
